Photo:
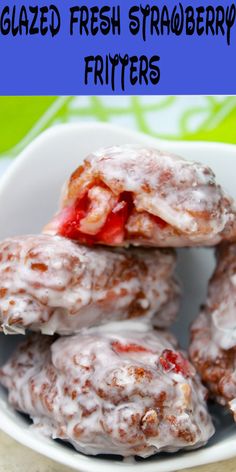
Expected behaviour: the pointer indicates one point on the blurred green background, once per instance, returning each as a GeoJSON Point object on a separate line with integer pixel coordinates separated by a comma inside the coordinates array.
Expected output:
{"type": "Point", "coordinates": [210, 118]}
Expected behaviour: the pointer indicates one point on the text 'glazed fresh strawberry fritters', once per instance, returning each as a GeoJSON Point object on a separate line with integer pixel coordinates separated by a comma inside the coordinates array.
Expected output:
{"type": "Point", "coordinates": [126, 195]}
{"type": "Point", "coordinates": [213, 334]}
{"type": "Point", "coordinates": [115, 390]}
{"type": "Point", "coordinates": [51, 284]}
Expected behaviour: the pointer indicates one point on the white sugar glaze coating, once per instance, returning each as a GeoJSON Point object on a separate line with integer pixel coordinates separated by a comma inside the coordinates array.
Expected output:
{"type": "Point", "coordinates": [110, 390]}
{"type": "Point", "coordinates": [51, 284]}
{"type": "Point", "coordinates": [213, 333]}
{"type": "Point", "coordinates": [183, 194]}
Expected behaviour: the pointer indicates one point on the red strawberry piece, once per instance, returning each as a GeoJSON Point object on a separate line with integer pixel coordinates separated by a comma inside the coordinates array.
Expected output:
{"type": "Point", "coordinates": [174, 362]}
{"type": "Point", "coordinates": [125, 348]}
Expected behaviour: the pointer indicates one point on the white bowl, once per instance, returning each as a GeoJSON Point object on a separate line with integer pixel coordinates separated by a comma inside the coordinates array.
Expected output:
{"type": "Point", "coordinates": [29, 194]}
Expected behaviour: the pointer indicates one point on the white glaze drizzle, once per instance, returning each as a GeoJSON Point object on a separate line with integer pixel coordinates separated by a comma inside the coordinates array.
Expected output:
{"type": "Point", "coordinates": [183, 193]}
{"type": "Point", "coordinates": [87, 391]}
{"type": "Point", "coordinates": [214, 330]}
{"type": "Point", "coordinates": [51, 284]}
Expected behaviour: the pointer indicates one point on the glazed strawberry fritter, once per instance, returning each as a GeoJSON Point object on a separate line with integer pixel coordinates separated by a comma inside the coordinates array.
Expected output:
{"type": "Point", "coordinates": [213, 334]}
{"type": "Point", "coordinates": [126, 195]}
{"type": "Point", "coordinates": [51, 284]}
{"type": "Point", "coordinates": [119, 389]}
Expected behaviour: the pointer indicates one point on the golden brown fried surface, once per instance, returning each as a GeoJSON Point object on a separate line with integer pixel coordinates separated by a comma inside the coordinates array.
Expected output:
{"type": "Point", "coordinates": [213, 334]}
{"type": "Point", "coordinates": [116, 389]}
{"type": "Point", "coordinates": [126, 195]}
{"type": "Point", "coordinates": [50, 284]}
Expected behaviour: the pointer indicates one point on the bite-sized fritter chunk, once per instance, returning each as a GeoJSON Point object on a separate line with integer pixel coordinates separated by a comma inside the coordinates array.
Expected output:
{"type": "Point", "coordinates": [116, 389]}
{"type": "Point", "coordinates": [126, 195]}
{"type": "Point", "coordinates": [51, 284]}
{"type": "Point", "coordinates": [213, 334]}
